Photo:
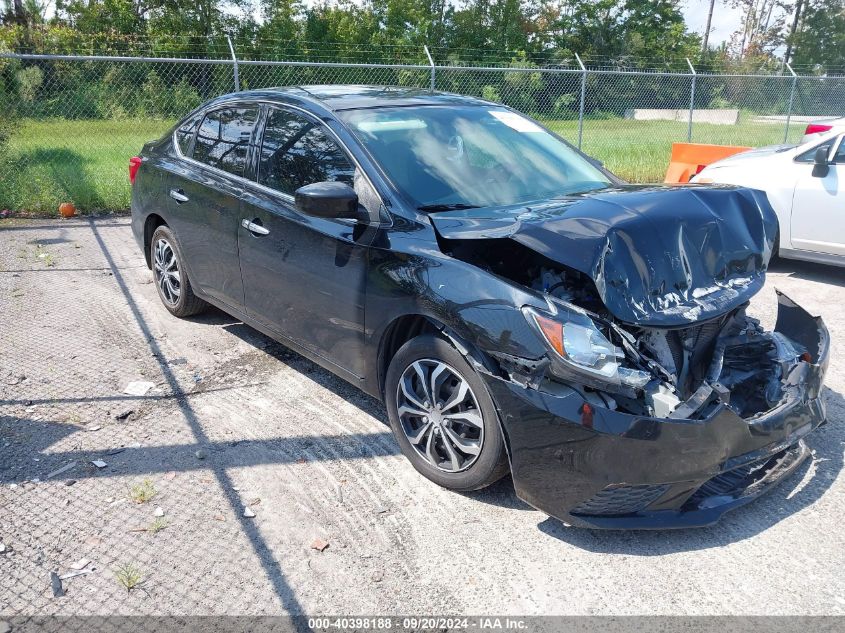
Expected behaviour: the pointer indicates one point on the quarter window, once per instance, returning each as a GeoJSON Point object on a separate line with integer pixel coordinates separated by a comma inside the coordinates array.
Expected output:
{"type": "Point", "coordinates": [296, 151]}
{"type": "Point", "coordinates": [185, 134]}
{"type": "Point", "coordinates": [839, 156]}
{"type": "Point", "coordinates": [810, 155]}
{"type": "Point", "coordinates": [223, 139]}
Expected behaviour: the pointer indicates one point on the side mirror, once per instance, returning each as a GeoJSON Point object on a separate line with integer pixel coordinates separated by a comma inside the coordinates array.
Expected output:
{"type": "Point", "coordinates": [820, 164]}
{"type": "Point", "coordinates": [328, 200]}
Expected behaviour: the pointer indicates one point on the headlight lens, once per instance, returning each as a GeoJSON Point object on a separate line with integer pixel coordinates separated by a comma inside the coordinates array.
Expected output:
{"type": "Point", "coordinates": [581, 347]}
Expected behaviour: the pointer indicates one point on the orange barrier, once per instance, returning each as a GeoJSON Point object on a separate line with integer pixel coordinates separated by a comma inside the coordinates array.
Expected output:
{"type": "Point", "coordinates": [690, 158]}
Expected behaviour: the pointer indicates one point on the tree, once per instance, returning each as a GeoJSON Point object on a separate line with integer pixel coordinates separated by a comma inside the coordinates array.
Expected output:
{"type": "Point", "coordinates": [24, 12]}
{"type": "Point", "coordinates": [791, 37]}
{"type": "Point", "coordinates": [614, 28]}
{"type": "Point", "coordinates": [762, 30]}
{"type": "Point", "coordinates": [707, 27]}
{"type": "Point", "coordinates": [820, 37]}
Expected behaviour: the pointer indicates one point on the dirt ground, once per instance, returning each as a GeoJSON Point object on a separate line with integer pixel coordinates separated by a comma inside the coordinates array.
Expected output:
{"type": "Point", "coordinates": [236, 424]}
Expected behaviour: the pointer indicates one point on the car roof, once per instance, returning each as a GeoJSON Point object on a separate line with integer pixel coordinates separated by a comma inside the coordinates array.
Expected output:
{"type": "Point", "coordinates": [353, 97]}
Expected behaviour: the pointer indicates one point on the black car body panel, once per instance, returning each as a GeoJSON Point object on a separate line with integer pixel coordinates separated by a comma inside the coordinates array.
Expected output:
{"type": "Point", "coordinates": [660, 257]}
{"type": "Point", "coordinates": [340, 291]}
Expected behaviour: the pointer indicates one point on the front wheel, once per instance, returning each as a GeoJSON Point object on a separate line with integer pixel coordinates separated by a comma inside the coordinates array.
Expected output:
{"type": "Point", "coordinates": [443, 416]}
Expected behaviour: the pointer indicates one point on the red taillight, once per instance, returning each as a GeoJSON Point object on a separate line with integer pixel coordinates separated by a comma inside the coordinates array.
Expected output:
{"type": "Point", "coordinates": [815, 128]}
{"type": "Point", "coordinates": [134, 164]}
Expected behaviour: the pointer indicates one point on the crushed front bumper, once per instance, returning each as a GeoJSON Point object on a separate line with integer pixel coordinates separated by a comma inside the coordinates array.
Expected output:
{"type": "Point", "coordinates": [610, 469]}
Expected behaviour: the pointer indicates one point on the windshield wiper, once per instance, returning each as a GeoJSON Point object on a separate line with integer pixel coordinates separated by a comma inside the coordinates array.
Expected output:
{"type": "Point", "coordinates": [455, 206]}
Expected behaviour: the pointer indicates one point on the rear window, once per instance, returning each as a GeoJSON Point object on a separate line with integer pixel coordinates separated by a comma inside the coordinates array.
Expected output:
{"type": "Point", "coordinates": [223, 138]}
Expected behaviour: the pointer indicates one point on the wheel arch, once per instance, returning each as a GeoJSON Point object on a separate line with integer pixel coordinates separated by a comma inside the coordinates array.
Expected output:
{"type": "Point", "coordinates": [151, 223]}
{"type": "Point", "coordinates": [408, 326]}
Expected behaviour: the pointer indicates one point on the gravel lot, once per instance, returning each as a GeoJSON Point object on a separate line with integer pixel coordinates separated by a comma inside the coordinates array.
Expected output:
{"type": "Point", "coordinates": [236, 420]}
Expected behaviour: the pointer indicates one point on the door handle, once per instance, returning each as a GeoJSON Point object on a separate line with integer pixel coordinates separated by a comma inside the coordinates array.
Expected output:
{"type": "Point", "coordinates": [179, 196]}
{"type": "Point", "coordinates": [253, 227]}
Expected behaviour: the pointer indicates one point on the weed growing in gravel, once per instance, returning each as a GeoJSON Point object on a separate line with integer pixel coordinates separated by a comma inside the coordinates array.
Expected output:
{"type": "Point", "coordinates": [44, 256]}
{"type": "Point", "coordinates": [128, 575]}
{"type": "Point", "coordinates": [142, 492]}
{"type": "Point", "coordinates": [157, 526]}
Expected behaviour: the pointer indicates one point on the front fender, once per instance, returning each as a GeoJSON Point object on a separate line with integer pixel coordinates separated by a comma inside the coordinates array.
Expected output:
{"type": "Point", "coordinates": [477, 310]}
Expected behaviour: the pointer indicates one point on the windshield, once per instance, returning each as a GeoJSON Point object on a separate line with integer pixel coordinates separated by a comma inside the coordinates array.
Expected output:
{"type": "Point", "coordinates": [447, 157]}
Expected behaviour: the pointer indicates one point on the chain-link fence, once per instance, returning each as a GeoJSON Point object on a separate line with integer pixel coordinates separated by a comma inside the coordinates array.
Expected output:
{"type": "Point", "coordinates": [69, 123]}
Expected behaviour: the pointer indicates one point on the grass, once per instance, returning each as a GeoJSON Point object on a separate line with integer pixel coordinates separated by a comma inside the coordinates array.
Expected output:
{"type": "Point", "coordinates": [157, 526]}
{"type": "Point", "coordinates": [128, 575]}
{"type": "Point", "coordinates": [42, 255]}
{"type": "Point", "coordinates": [638, 151]}
{"type": "Point", "coordinates": [86, 162]}
{"type": "Point", "coordinates": [142, 492]}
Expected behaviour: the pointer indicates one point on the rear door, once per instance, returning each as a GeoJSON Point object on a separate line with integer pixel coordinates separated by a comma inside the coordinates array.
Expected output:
{"type": "Point", "coordinates": [204, 196]}
{"type": "Point", "coordinates": [304, 277]}
{"type": "Point", "coordinates": [818, 204]}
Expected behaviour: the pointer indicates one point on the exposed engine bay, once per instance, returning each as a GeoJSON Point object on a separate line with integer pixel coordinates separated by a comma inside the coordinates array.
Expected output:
{"type": "Point", "coordinates": [668, 372]}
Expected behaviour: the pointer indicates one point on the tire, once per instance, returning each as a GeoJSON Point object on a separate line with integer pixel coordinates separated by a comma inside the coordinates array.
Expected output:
{"type": "Point", "coordinates": [471, 419]}
{"type": "Point", "coordinates": [175, 291]}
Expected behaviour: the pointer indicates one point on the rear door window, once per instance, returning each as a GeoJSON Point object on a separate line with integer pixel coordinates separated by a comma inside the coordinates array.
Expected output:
{"type": "Point", "coordinates": [223, 138]}
{"type": "Point", "coordinates": [296, 151]}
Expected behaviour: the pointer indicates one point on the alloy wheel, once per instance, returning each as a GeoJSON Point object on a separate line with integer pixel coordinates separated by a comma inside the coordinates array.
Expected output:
{"type": "Point", "coordinates": [166, 271]}
{"type": "Point", "coordinates": [439, 415]}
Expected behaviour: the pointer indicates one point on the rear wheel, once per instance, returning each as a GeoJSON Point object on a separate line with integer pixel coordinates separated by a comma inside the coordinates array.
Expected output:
{"type": "Point", "coordinates": [172, 283]}
{"type": "Point", "coordinates": [443, 417]}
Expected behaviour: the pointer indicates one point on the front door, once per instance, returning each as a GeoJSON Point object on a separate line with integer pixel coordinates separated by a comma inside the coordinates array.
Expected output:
{"type": "Point", "coordinates": [818, 207]}
{"type": "Point", "coordinates": [304, 277]}
{"type": "Point", "coordinates": [204, 196]}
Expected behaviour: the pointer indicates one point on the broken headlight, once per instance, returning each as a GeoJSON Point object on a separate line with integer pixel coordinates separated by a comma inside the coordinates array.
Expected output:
{"type": "Point", "coordinates": [581, 351]}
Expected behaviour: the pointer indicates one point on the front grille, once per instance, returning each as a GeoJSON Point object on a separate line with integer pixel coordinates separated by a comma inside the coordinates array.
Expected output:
{"type": "Point", "coordinates": [618, 500]}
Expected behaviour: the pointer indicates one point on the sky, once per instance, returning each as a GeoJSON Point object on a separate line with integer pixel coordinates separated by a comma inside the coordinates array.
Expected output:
{"type": "Point", "coordinates": [726, 19]}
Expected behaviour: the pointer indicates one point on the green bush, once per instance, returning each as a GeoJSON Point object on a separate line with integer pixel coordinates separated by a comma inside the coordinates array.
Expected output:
{"type": "Point", "coordinates": [29, 80]}
{"type": "Point", "coordinates": [491, 94]}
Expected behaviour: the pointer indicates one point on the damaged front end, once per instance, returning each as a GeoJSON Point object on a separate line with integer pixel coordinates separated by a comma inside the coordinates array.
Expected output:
{"type": "Point", "coordinates": [656, 456]}
{"type": "Point", "coordinates": [643, 415]}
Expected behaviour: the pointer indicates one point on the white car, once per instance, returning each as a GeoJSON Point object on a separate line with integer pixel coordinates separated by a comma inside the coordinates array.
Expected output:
{"type": "Point", "coordinates": [817, 129]}
{"type": "Point", "coordinates": [804, 184]}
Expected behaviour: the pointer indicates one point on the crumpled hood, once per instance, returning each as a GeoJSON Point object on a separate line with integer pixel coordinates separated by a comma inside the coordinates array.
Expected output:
{"type": "Point", "coordinates": [659, 256]}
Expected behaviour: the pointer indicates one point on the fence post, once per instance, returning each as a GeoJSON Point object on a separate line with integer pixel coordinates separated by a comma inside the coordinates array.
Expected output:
{"type": "Point", "coordinates": [430, 63]}
{"type": "Point", "coordinates": [234, 64]}
{"type": "Point", "coordinates": [791, 101]}
{"type": "Point", "coordinates": [691, 100]}
{"type": "Point", "coordinates": [583, 93]}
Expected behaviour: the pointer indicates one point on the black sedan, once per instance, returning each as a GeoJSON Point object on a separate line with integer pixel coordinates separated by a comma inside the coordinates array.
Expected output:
{"type": "Point", "coordinates": [516, 307]}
